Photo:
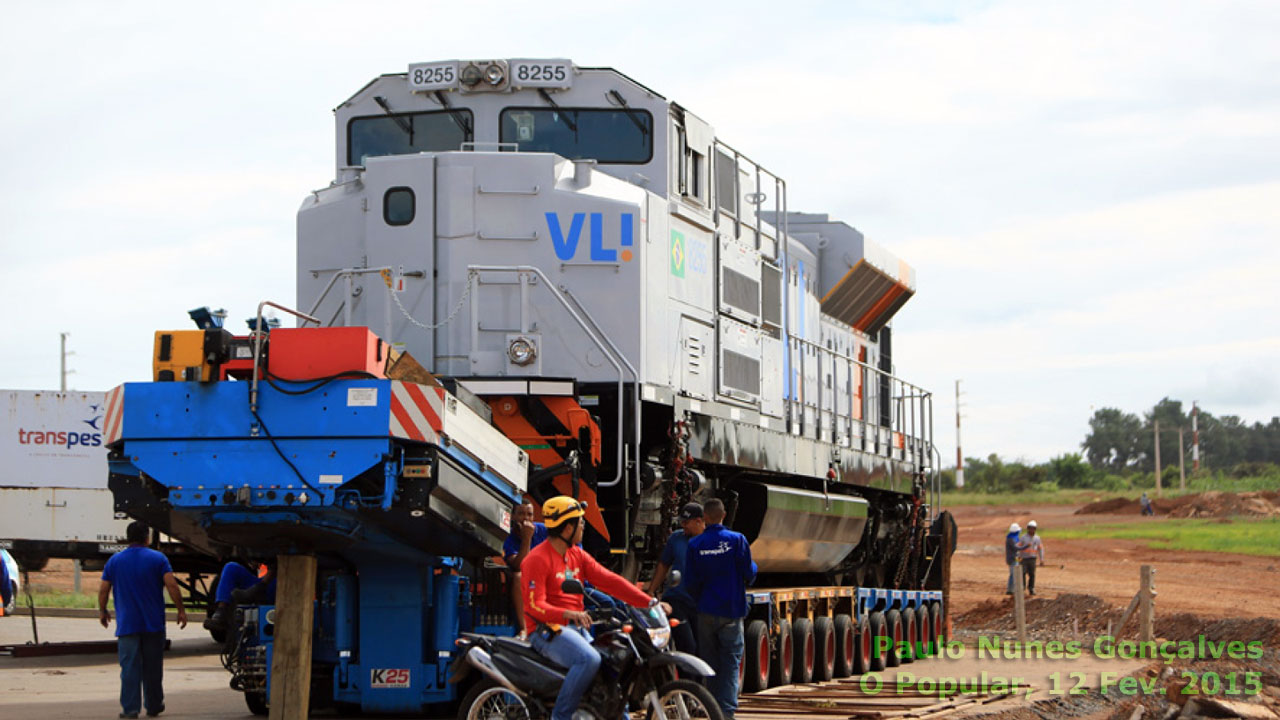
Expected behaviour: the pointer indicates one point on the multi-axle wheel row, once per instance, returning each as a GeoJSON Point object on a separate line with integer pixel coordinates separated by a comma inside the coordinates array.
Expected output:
{"type": "Point", "coordinates": [796, 647]}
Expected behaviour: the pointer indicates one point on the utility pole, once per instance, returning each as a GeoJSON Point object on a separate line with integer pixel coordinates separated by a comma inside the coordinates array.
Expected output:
{"type": "Point", "coordinates": [1182, 467]}
{"type": "Point", "coordinates": [959, 454]}
{"type": "Point", "coordinates": [75, 564]}
{"type": "Point", "coordinates": [1158, 483]}
{"type": "Point", "coordinates": [63, 355]}
{"type": "Point", "coordinates": [1195, 437]}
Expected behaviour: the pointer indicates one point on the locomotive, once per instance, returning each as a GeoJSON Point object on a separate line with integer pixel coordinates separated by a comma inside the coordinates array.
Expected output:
{"type": "Point", "coordinates": [631, 300]}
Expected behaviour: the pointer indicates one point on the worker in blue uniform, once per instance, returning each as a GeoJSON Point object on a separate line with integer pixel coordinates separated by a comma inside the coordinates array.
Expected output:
{"type": "Point", "coordinates": [525, 535]}
{"type": "Point", "coordinates": [235, 576]}
{"type": "Point", "coordinates": [674, 553]}
{"type": "Point", "coordinates": [138, 577]}
{"type": "Point", "coordinates": [719, 570]}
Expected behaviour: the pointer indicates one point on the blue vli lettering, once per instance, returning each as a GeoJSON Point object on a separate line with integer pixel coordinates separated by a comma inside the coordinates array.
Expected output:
{"type": "Point", "coordinates": [566, 244]}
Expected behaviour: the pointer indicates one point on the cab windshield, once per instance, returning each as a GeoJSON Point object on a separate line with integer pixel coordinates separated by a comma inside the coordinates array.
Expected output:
{"type": "Point", "coordinates": [406, 133]}
{"type": "Point", "coordinates": [623, 136]}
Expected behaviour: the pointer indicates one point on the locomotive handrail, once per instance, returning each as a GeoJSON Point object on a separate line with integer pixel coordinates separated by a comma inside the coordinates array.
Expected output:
{"type": "Point", "coordinates": [474, 271]}
{"type": "Point", "coordinates": [342, 272]}
{"type": "Point", "coordinates": [907, 391]}
{"type": "Point", "coordinates": [634, 373]}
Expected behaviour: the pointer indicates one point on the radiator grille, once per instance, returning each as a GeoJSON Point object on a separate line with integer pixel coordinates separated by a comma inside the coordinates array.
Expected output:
{"type": "Point", "coordinates": [741, 291]}
{"type": "Point", "coordinates": [741, 372]}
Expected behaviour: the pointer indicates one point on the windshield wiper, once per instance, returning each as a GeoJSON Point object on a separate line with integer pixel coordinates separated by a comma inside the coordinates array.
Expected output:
{"type": "Point", "coordinates": [573, 126]}
{"type": "Point", "coordinates": [458, 118]}
{"type": "Point", "coordinates": [617, 97]}
{"type": "Point", "coordinates": [405, 125]}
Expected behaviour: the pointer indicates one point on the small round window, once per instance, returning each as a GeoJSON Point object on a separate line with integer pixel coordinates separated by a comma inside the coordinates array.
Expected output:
{"type": "Point", "coordinates": [398, 206]}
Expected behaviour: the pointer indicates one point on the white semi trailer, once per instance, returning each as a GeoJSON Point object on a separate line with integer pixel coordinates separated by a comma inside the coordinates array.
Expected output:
{"type": "Point", "coordinates": [54, 500]}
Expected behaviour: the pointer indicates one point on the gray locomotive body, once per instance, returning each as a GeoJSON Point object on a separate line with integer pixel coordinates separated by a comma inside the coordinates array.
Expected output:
{"type": "Point", "coordinates": [637, 305]}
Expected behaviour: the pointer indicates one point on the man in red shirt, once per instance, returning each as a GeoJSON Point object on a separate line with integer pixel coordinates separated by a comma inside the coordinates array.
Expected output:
{"type": "Point", "coordinates": [566, 637]}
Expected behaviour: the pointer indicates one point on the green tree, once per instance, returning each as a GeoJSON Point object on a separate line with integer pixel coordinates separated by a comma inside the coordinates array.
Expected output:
{"type": "Point", "coordinates": [1113, 440]}
{"type": "Point", "coordinates": [1070, 471]}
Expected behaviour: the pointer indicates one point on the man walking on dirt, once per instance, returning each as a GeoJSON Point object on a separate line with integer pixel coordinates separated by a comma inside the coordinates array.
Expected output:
{"type": "Point", "coordinates": [139, 576]}
{"type": "Point", "coordinates": [1029, 548]}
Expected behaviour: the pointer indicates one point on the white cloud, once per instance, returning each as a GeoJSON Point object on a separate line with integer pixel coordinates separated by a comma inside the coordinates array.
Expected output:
{"type": "Point", "coordinates": [1087, 189]}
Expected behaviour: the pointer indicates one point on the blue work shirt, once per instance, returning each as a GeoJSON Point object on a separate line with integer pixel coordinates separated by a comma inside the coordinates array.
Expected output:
{"type": "Point", "coordinates": [720, 568]}
{"type": "Point", "coordinates": [137, 575]}
{"type": "Point", "coordinates": [674, 554]}
{"type": "Point", "coordinates": [511, 546]}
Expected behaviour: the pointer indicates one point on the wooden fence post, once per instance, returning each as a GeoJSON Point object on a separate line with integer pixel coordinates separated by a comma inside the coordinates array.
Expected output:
{"type": "Point", "coordinates": [1146, 604]}
{"type": "Point", "coordinates": [1019, 604]}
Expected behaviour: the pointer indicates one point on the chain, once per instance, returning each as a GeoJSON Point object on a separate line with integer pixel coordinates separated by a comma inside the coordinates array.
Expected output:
{"type": "Point", "coordinates": [452, 313]}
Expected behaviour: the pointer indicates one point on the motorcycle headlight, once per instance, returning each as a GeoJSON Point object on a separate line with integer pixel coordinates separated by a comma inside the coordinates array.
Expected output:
{"type": "Point", "coordinates": [660, 636]}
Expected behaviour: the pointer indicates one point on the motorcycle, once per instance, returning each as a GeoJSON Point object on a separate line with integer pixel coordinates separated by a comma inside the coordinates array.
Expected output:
{"type": "Point", "coordinates": [640, 675]}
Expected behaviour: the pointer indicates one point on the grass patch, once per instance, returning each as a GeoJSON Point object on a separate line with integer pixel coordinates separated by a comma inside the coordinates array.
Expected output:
{"type": "Point", "coordinates": [61, 600]}
{"type": "Point", "coordinates": [1030, 497]}
{"type": "Point", "coordinates": [1240, 536]}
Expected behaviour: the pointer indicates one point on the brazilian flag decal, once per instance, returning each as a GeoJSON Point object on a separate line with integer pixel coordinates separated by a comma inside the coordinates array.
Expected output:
{"type": "Point", "coordinates": [678, 255]}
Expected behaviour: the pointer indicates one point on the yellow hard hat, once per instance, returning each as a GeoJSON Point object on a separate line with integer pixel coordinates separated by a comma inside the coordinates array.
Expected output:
{"type": "Point", "coordinates": [561, 508]}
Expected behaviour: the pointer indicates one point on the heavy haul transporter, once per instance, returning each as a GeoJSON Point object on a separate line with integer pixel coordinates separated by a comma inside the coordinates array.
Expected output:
{"type": "Point", "coordinates": [530, 278]}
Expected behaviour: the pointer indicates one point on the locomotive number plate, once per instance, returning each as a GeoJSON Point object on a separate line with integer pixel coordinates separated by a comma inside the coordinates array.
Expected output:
{"type": "Point", "coordinates": [541, 73]}
{"type": "Point", "coordinates": [425, 77]}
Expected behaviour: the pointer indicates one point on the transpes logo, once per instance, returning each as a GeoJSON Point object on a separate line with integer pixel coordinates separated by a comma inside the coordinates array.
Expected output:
{"type": "Point", "coordinates": [66, 438]}
{"type": "Point", "coordinates": [566, 243]}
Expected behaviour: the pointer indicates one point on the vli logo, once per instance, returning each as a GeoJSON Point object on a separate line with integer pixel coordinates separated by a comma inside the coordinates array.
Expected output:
{"type": "Point", "coordinates": [566, 244]}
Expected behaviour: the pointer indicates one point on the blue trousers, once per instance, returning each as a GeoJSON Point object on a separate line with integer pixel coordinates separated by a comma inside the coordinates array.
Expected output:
{"type": "Point", "coordinates": [720, 643]}
{"type": "Point", "coordinates": [141, 668]}
{"type": "Point", "coordinates": [1009, 586]}
{"type": "Point", "coordinates": [571, 647]}
{"type": "Point", "coordinates": [685, 634]}
{"type": "Point", "coordinates": [234, 577]}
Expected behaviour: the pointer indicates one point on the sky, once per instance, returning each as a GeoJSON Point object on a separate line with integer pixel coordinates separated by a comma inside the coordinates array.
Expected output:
{"type": "Point", "coordinates": [1089, 191]}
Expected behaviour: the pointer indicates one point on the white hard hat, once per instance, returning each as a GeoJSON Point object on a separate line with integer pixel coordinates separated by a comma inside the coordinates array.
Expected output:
{"type": "Point", "coordinates": [1031, 524]}
{"type": "Point", "coordinates": [1015, 528]}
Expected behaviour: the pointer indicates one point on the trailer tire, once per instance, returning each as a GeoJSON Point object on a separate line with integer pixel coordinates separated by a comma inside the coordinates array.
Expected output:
{"type": "Point", "coordinates": [910, 633]}
{"type": "Point", "coordinates": [825, 647]}
{"type": "Point", "coordinates": [257, 702]}
{"type": "Point", "coordinates": [864, 647]}
{"type": "Point", "coordinates": [893, 628]}
{"type": "Point", "coordinates": [755, 660]}
{"type": "Point", "coordinates": [925, 647]}
{"type": "Point", "coordinates": [939, 628]}
{"type": "Point", "coordinates": [802, 631]}
{"type": "Point", "coordinates": [781, 667]}
{"type": "Point", "coordinates": [878, 626]}
{"type": "Point", "coordinates": [848, 644]}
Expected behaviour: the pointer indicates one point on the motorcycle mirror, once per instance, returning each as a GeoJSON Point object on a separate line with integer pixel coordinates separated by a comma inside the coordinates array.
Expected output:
{"type": "Point", "coordinates": [572, 587]}
{"type": "Point", "coordinates": [674, 578]}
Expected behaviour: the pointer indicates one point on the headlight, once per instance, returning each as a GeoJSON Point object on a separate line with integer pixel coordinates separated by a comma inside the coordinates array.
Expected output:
{"type": "Point", "coordinates": [522, 352]}
{"type": "Point", "coordinates": [470, 76]}
{"type": "Point", "coordinates": [494, 75]}
{"type": "Point", "coordinates": [660, 636]}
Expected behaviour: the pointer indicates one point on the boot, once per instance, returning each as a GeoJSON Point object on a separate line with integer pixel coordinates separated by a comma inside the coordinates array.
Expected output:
{"type": "Point", "coordinates": [219, 619]}
{"type": "Point", "coordinates": [252, 595]}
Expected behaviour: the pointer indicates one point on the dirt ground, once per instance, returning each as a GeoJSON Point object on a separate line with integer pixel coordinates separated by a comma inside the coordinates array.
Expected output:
{"type": "Point", "coordinates": [1211, 585]}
